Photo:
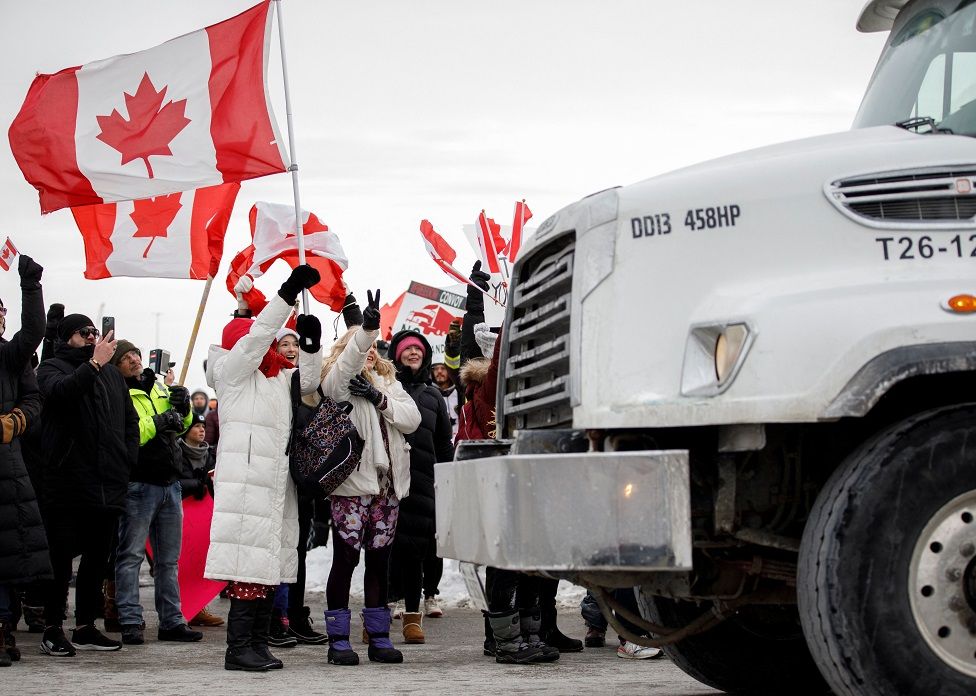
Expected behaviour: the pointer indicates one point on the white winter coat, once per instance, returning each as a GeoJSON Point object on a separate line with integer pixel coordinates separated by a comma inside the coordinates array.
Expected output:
{"type": "Point", "coordinates": [254, 534]}
{"type": "Point", "coordinates": [401, 416]}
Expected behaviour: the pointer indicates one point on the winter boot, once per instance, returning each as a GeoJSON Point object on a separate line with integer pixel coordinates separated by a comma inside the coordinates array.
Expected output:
{"type": "Point", "coordinates": [413, 629]}
{"type": "Point", "coordinates": [531, 622]}
{"type": "Point", "coordinates": [260, 632]}
{"type": "Point", "coordinates": [489, 637]}
{"type": "Point", "coordinates": [300, 628]}
{"type": "Point", "coordinates": [240, 623]}
{"type": "Point", "coordinates": [337, 626]}
{"type": "Point", "coordinates": [377, 622]}
{"type": "Point", "coordinates": [5, 656]}
{"type": "Point", "coordinates": [34, 618]}
{"type": "Point", "coordinates": [279, 635]}
{"type": "Point", "coordinates": [111, 611]}
{"type": "Point", "coordinates": [553, 637]}
{"type": "Point", "coordinates": [509, 646]}
{"type": "Point", "coordinates": [7, 629]}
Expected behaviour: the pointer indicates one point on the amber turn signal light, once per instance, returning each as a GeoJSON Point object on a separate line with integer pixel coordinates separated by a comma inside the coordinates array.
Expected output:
{"type": "Point", "coordinates": [961, 304]}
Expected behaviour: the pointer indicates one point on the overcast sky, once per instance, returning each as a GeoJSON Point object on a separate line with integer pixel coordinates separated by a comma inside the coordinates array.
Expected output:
{"type": "Point", "coordinates": [411, 109]}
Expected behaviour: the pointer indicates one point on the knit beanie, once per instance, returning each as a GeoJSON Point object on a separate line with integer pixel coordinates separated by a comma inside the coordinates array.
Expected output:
{"type": "Point", "coordinates": [72, 323]}
{"type": "Point", "coordinates": [122, 348]}
{"type": "Point", "coordinates": [235, 330]}
{"type": "Point", "coordinates": [286, 332]}
{"type": "Point", "coordinates": [406, 343]}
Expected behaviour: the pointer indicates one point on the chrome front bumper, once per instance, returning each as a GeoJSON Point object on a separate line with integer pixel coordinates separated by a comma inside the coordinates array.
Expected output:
{"type": "Point", "coordinates": [584, 511]}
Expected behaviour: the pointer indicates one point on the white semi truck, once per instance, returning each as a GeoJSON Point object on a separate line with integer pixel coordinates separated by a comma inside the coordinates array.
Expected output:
{"type": "Point", "coordinates": [748, 388]}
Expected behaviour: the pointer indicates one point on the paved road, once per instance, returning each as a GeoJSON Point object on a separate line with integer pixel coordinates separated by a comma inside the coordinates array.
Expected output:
{"type": "Point", "coordinates": [451, 662]}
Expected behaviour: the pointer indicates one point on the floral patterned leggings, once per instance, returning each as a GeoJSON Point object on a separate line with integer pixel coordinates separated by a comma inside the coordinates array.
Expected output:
{"type": "Point", "coordinates": [362, 522]}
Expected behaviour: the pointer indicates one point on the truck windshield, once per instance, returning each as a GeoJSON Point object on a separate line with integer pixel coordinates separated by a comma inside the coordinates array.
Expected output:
{"type": "Point", "coordinates": [927, 70]}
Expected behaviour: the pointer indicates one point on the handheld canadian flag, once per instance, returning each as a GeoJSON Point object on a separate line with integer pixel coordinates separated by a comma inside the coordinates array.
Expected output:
{"type": "Point", "coordinates": [189, 113]}
{"type": "Point", "coordinates": [273, 237]}
{"type": "Point", "coordinates": [442, 252]}
{"type": "Point", "coordinates": [522, 215]}
{"type": "Point", "coordinates": [180, 235]}
{"type": "Point", "coordinates": [491, 241]}
{"type": "Point", "coordinates": [8, 252]}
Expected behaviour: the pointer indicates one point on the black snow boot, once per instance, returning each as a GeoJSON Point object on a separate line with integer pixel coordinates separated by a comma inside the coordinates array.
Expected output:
{"type": "Point", "coordinates": [489, 637]}
{"type": "Point", "coordinates": [240, 623]}
{"type": "Point", "coordinates": [531, 623]}
{"type": "Point", "coordinates": [300, 628]}
{"type": "Point", "coordinates": [509, 646]}
{"type": "Point", "coordinates": [555, 638]}
{"type": "Point", "coordinates": [260, 631]}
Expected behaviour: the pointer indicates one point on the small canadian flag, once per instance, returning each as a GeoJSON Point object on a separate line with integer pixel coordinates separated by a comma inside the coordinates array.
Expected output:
{"type": "Point", "coordinates": [7, 254]}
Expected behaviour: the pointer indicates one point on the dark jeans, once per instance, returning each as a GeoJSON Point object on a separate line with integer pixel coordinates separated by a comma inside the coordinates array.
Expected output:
{"type": "Point", "coordinates": [91, 535]}
{"type": "Point", "coordinates": [593, 617]}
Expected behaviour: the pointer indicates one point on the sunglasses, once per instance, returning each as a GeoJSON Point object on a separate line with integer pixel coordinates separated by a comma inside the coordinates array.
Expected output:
{"type": "Point", "coordinates": [3, 311]}
{"type": "Point", "coordinates": [88, 331]}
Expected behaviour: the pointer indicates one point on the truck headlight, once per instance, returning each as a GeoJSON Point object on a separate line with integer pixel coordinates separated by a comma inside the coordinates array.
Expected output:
{"type": "Point", "coordinates": [713, 355]}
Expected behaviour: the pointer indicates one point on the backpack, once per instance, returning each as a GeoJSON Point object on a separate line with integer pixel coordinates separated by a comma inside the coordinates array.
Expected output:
{"type": "Point", "coordinates": [325, 445]}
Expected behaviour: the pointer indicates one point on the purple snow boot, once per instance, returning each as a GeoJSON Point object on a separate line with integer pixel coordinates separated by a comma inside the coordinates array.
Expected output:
{"type": "Point", "coordinates": [377, 623]}
{"type": "Point", "coordinates": [337, 626]}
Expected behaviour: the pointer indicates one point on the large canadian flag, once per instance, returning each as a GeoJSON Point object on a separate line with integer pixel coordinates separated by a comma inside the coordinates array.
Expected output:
{"type": "Point", "coordinates": [178, 235]}
{"type": "Point", "coordinates": [273, 237]}
{"type": "Point", "coordinates": [189, 113]}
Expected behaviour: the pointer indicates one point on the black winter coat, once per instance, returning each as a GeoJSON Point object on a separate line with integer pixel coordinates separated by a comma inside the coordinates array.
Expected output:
{"type": "Point", "coordinates": [91, 432]}
{"type": "Point", "coordinates": [23, 542]}
{"type": "Point", "coordinates": [430, 443]}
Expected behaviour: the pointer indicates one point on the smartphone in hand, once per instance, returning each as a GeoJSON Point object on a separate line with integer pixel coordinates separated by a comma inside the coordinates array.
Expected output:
{"type": "Point", "coordinates": [108, 324]}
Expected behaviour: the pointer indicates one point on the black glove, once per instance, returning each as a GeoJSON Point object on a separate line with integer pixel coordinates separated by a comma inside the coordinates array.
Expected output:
{"type": "Point", "coordinates": [352, 315]}
{"type": "Point", "coordinates": [476, 298]}
{"type": "Point", "coordinates": [309, 330]}
{"type": "Point", "coordinates": [168, 421]}
{"type": "Point", "coordinates": [55, 313]}
{"type": "Point", "coordinates": [30, 273]}
{"type": "Point", "coordinates": [179, 397]}
{"type": "Point", "coordinates": [371, 315]}
{"type": "Point", "coordinates": [360, 386]}
{"type": "Point", "coordinates": [301, 278]}
{"type": "Point", "coordinates": [147, 379]}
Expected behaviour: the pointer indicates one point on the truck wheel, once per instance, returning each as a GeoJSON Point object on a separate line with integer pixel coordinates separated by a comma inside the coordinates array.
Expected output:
{"type": "Point", "coordinates": [887, 577]}
{"type": "Point", "coordinates": [760, 651]}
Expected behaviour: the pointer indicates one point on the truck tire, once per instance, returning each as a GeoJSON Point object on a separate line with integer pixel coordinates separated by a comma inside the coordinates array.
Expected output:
{"type": "Point", "coordinates": [758, 652]}
{"type": "Point", "coordinates": [887, 577]}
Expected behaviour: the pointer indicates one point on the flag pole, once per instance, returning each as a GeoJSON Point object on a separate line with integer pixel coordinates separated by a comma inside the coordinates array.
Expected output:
{"type": "Point", "coordinates": [196, 329]}
{"type": "Point", "coordinates": [291, 149]}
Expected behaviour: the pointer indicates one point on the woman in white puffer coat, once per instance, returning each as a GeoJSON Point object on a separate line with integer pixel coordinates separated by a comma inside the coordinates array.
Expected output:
{"type": "Point", "coordinates": [365, 505]}
{"type": "Point", "coordinates": [254, 533]}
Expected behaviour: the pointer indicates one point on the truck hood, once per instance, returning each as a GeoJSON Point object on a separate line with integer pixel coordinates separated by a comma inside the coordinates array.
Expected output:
{"type": "Point", "coordinates": [847, 146]}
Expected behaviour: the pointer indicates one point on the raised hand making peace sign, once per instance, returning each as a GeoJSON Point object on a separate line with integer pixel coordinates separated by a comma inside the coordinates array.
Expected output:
{"type": "Point", "coordinates": [371, 315]}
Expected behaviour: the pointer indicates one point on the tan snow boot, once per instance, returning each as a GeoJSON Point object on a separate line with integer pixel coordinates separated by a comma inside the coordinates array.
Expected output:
{"type": "Point", "coordinates": [413, 630]}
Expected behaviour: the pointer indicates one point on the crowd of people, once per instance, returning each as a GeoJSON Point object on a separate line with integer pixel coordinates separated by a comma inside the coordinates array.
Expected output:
{"type": "Point", "coordinates": [98, 453]}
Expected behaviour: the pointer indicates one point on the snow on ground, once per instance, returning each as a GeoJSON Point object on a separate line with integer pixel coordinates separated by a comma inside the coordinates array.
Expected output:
{"type": "Point", "coordinates": [454, 592]}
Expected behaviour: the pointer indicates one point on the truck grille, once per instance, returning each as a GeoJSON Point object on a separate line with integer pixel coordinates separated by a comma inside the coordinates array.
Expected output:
{"type": "Point", "coordinates": [536, 376]}
{"type": "Point", "coordinates": [924, 198]}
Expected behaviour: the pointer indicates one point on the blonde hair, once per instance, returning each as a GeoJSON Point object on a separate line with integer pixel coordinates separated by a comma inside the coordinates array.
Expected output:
{"type": "Point", "coordinates": [381, 368]}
